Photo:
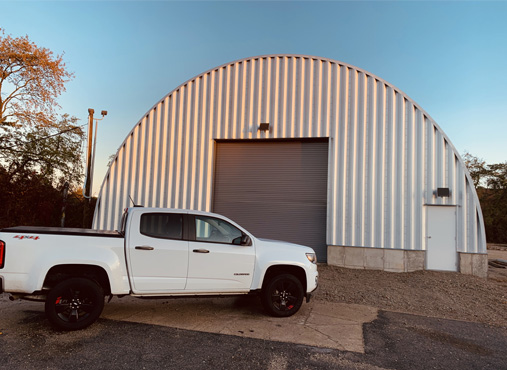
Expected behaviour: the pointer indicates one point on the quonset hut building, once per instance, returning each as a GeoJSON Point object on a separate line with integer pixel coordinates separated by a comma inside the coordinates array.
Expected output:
{"type": "Point", "coordinates": [308, 150]}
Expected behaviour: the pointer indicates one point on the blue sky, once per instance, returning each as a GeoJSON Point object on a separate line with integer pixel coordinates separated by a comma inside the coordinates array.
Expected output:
{"type": "Point", "coordinates": [449, 57]}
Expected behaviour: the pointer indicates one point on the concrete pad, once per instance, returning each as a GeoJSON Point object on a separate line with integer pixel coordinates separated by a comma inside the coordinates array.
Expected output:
{"type": "Point", "coordinates": [394, 260]}
{"type": "Point", "coordinates": [319, 324]}
{"type": "Point", "coordinates": [354, 258]}
{"type": "Point", "coordinates": [373, 258]}
{"type": "Point", "coordinates": [480, 265]}
{"type": "Point", "coordinates": [465, 263]}
{"type": "Point", "coordinates": [497, 255]}
{"type": "Point", "coordinates": [414, 260]}
{"type": "Point", "coordinates": [474, 264]}
{"type": "Point", "coordinates": [336, 256]}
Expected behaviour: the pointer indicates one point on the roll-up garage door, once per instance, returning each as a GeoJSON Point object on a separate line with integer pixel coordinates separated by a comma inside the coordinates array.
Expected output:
{"type": "Point", "coordinates": [275, 189]}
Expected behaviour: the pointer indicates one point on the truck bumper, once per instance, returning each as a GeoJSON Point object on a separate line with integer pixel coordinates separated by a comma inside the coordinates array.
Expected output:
{"type": "Point", "coordinates": [309, 294]}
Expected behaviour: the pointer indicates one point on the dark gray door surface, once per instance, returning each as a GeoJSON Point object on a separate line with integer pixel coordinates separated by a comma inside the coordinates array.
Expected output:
{"type": "Point", "coordinates": [276, 189]}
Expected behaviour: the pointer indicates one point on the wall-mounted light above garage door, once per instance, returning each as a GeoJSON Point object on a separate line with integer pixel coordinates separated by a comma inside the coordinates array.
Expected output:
{"type": "Point", "coordinates": [264, 127]}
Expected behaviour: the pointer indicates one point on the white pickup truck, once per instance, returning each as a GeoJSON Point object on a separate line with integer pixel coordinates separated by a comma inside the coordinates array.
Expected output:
{"type": "Point", "coordinates": [157, 252]}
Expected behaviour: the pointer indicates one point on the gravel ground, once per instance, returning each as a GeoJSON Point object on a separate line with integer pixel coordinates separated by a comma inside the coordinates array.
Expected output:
{"type": "Point", "coordinates": [435, 294]}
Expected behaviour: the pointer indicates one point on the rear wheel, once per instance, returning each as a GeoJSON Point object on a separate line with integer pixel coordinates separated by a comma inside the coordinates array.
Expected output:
{"type": "Point", "coordinates": [282, 296]}
{"type": "Point", "coordinates": [74, 304]}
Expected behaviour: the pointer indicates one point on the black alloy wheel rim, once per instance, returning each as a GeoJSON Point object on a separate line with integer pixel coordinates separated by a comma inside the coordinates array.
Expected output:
{"type": "Point", "coordinates": [75, 305]}
{"type": "Point", "coordinates": [283, 297]}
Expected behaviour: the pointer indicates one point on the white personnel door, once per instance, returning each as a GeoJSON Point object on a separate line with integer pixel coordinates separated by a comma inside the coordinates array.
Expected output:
{"type": "Point", "coordinates": [441, 251]}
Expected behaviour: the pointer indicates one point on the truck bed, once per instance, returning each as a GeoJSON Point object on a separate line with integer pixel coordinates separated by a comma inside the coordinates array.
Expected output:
{"type": "Point", "coordinates": [61, 231]}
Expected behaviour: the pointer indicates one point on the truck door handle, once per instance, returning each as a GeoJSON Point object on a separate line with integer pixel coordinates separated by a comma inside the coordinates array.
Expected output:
{"type": "Point", "coordinates": [201, 251]}
{"type": "Point", "coordinates": [144, 248]}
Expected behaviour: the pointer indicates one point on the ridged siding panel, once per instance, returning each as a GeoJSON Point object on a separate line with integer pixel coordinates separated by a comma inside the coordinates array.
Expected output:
{"type": "Point", "coordinates": [387, 157]}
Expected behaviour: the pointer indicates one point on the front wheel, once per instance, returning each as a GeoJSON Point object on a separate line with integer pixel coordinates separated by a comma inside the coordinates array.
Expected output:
{"type": "Point", "coordinates": [74, 304]}
{"type": "Point", "coordinates": [282, 296]}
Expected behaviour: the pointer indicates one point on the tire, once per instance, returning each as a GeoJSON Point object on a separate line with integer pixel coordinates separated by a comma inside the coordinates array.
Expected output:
{"type": "Point", "coordinates": [74, 304]}
{"type": "Point", "coordinates": [282, 296]}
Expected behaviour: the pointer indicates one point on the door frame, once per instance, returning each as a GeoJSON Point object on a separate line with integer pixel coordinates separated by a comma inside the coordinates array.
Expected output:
{"type": "Point", "coordinates": [430, 252]}
{"type": "Point", "coordinates": [302, 140]}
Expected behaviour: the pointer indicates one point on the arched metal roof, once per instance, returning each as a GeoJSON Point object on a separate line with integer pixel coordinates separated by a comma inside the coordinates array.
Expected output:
{"type": "Point", "coordinates": [387, 155]}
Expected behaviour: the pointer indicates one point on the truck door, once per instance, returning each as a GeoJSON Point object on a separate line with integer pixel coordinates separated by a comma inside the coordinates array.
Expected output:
{"type": "Point", "coordinates": [217, 261]}
{"type": "Point", "coordinates": [157, 252]}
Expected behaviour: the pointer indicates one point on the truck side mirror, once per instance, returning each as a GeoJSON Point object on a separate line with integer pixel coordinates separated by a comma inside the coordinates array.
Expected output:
{"type": "Point", "coordinates": [245, 240]}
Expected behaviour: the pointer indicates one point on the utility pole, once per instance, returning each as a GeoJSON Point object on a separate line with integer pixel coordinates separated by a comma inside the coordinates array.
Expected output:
{"type": "Point", "coordinates": [90, 159]}
{"type": "Point", "coordinates": [86, 193]}
{"type": "Point", "coordinates": [64, 206]}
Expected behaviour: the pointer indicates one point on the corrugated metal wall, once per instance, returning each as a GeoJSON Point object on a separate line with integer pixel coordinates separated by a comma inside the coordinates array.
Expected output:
{"type": "Point", "coordinates": [387, 157]}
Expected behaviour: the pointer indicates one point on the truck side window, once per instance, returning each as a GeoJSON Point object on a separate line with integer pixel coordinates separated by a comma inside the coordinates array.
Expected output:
{"type": "Point", "coordinates": [162, 225]}
{"type": "Point", "coordinates": [214, 230]}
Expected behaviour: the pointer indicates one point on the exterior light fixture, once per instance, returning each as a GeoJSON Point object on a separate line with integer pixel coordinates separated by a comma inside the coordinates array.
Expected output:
{"type": "Point", "coordinates": [264, 127]}
{"type": "Point", "coordinates": [443, 192]}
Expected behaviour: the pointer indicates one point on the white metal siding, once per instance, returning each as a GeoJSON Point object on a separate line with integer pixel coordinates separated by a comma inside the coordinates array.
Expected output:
{"type": "Point", "coordinates": [387, 157]}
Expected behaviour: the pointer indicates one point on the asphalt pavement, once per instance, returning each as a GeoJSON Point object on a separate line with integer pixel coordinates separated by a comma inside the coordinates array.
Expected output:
{"type": "Point", "coordinates": [391, 341]}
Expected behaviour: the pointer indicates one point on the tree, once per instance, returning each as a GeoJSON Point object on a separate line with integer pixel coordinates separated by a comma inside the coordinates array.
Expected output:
{"type": "Point", "coordinates": [497, 178]}
{"type": "Point", "coordinates": [31, 79]}
{"type": "Point", "coordinates": [40, 149]}
{"type": "Point", "coordinates": [490, 181]}
{"type": "Point", "coordinates": [477, 168]}
{"type": "Point", "coordinates": [53, 150]}
{"type": "Point", "coordinates": [33, 137]}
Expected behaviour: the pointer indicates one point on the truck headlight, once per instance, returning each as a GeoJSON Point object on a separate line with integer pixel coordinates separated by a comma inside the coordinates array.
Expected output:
{"type": "Point", "coordinates": [312, 257]}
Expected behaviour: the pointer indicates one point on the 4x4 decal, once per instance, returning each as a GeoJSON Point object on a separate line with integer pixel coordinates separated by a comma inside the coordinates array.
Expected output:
{"type": "Point", "coordinates": [21, 237]}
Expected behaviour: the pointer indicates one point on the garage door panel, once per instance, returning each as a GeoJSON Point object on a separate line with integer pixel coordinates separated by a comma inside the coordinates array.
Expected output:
{"type": "Point", "coordinates": [277, 190]}
{"type": "Point", "coordinates": [285, 222]}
